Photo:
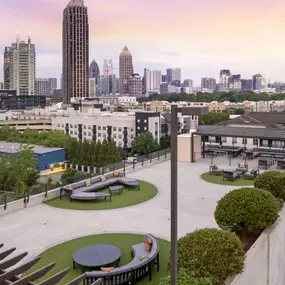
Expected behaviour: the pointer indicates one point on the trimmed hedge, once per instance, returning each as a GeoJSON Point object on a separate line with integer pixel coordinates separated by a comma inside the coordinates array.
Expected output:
{"type": "Point", "coordinates": [211, 253]}
{"type": "Point", "coordinates": [246, 208]}
{"type": "Point", "coordinates": [273, 181]}
{"type": "Point", "coordinates": [186, 278]}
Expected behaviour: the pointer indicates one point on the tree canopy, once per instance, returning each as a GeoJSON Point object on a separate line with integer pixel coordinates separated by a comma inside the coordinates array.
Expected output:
{"type": "Point", "coordinates": [145, 143]}
{"type": "Point", "coordinates": [213, 118]}
{"type": "Point", "coordinates": [17, 171]}
{"type": "Point", "coordinates": [217, 96]}
{"type": "Point", "coordinates": [85, 153]}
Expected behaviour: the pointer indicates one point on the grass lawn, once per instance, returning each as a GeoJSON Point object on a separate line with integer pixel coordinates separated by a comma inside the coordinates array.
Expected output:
{"type": "Point", "coordinates": [216, 179]}
{"type": "Point", "coordinates": [62, 255]}
{"type": "Point", "coordinates": [129, 197]}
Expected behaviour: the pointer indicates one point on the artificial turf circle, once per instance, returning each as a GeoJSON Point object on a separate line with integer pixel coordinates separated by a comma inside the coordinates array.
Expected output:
{"type": "Point", "coordinates": [218, 179]}
{"type": "Point", "coordinates": [62, 255]}
{"type": "Point", "coordinates": [129, 197]}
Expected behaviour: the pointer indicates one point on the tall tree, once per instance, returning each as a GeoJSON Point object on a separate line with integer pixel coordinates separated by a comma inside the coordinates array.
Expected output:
{"type": "Point", "coordinates": [144, 143]}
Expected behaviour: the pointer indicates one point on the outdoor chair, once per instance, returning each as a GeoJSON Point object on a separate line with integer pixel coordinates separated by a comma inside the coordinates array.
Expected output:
{"type": "Point", "coordinates": [215, 170]}
{"type": "Point", "coordinates": [242, 167]}
{"type": "Point", "coordinates": [251, 175]}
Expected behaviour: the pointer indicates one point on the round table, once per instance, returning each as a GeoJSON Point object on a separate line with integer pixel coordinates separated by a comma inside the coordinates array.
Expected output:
{"type": "Point", "coordinates": [96, 255]}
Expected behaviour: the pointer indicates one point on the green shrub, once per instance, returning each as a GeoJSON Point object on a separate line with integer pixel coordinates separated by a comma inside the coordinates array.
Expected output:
{"type": "Point", "coordinates": [211, 253]}
{"type": "Point", "coordinates": [246, 208]}
{"type": "Point", "coordinates": [186, 278]}
{"type": "Point", "coordinates": [273, 181]}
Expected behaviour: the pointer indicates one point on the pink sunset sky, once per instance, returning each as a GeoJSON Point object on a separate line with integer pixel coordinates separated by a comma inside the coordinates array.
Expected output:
{"type": "Point", "coordinates": [201, 37]}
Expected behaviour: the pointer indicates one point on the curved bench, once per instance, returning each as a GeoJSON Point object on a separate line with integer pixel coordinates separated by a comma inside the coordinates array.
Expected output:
{"type": "Point", "coordinates": [84, 196]}
{"type": "Point", "coordinates": [97, 184]}
{"type": "Point", "coordinates": [131, 272]}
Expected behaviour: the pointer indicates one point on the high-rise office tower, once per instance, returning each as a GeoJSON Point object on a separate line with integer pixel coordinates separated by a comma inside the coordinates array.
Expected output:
{"type": "Point", "coordinates": [75, 51]}
{"type": "Point", "coordinates": [173, 75]}
{"type": "Point", "coordinates": [135, 85]}
{"type": "Point", "coordinates": [22, 67]}
{"type": "Point", "coordinates": [108, 67]}
{"type": "Point", "coordinates": [94, 70]}
{"type": "Point", "coordinates": [6, 67]}
{"type": "Point", "coordinates": [152, 80]}
{"type": "Point", "coordinates": [46, 86]}
{"type": "Point", "coordinates": [92, 87]}
{"type": "Point", "coordinates": [235, 82]}
{"type": "Point", "coordinates": [208, 83]}
{"type": "Point", "coordinates": [258, 82]}
{"type": "Point", "coordinates": [126, 70]}
{"type": "Point", "coordinates": [224, 80]}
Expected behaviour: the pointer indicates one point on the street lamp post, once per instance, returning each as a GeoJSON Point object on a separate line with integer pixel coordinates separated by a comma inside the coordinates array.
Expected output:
{"type": "Point", "coordinates": [173, 204]}
{"type": "Point", "coordinates": [173, 218]}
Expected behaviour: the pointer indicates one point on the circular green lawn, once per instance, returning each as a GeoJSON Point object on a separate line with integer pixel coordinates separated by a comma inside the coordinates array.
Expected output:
{"type": "Point", "coordinates": [218, 179]}
{"type": "Point", "coordinates": [62, 255]}
{"type": "Point", "coordinates": [129, 197]}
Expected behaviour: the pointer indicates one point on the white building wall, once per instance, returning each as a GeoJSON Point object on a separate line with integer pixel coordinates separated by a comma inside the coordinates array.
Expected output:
{"type": "Point", "coordinates": [154, 127]}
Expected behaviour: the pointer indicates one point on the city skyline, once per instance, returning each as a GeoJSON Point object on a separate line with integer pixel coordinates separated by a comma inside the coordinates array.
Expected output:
{"type": "Point", "coordinates": [201, 43]}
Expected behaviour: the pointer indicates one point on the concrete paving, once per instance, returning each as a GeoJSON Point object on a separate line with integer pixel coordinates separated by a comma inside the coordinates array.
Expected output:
{"type": "Point", "coordinates": [40, 227]}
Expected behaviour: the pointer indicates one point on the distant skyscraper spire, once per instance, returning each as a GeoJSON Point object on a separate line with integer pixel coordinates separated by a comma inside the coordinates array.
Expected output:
{"type": "Point", "coordinates": [126, 69]}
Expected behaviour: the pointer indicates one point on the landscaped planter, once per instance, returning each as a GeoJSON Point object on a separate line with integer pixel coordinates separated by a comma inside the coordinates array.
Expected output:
{"type": "Point", "coordinates": [265, 260]}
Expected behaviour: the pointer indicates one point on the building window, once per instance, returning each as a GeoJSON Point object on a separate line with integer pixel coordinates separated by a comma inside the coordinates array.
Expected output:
{"type": "Point", "coordinates": [84, 127]}
{"type": "Point", "coordinates": [71, 132]}
{"type": "Point", "coordinates": [58, 125]}
{"type": "Point", "coordinates": [234, 140]}
{"type": "Point", "coordinates": [89, 134]}
{"type": "Point", "coordinates": [139, 128]}
{"type": "Point", "coordinates": [223, 139]}
{"type": "Point", "coordinates": [114, 129]}
{"type": "Point", "coordinates": [212, 139]}
{"type": "Point", "coordinates": [145, 121]}
{"type": "Point", "coordinates": [265, 143]}
{"type": "Point", "coordinates": [120, 144]}
{"type": "Point", "coordinates": [71, 126]}
{"type": "Point", "coordinates": [120, 129]}
{"type": "Point", "coordinates": [104, 128]}
{"type": "Point", "coordinates": [75, 126]}
{"type": "Point", "coordinates": [132, 136]}
{"type": "Point", "coordinates": [114, 136]}
{"type": "Point", "coordinates": [277, 144]}
{"type": "Point", "coordinates": [138, 120]}
{"type": "Point", "coordinates": [75, 133]}
{"type": "Point", "coordinates": [84, 133]}
{"type": "Point", "coordinates": [62, 125]}
{"type": "Point", "coordinates": [99, 128]}
{"type": "Point", "coordinates": [104, 136]}
{"type": "Point", "coordinates": [255, 141]}
{"type": "Point", "coordinates": [132, 129]}
{"type": "Point", "coordinates": [145, 128]}
{"type": "Point", "coordinates": [244, 141]}
{"type": "Point", "coordinates": [99, 135]}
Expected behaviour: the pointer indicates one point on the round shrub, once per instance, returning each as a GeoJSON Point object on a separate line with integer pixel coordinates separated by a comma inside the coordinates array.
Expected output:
{"type": "Point", "coordinates": [273, 181]}
{"type": "Point", "coordinates": [211, 253]}
{"type": "Point", "coordinates": [186, 278]}
{"type": "Point", "coordinates": [246, 208]}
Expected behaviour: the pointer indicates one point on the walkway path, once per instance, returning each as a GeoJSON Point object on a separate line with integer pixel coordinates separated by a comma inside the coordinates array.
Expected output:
{"type": "Point", "coordinates": [37, 228]}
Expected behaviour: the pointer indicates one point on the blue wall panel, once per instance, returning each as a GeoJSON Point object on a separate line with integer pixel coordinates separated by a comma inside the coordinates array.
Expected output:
{"type": "Point", "coordinates": [45, 159]}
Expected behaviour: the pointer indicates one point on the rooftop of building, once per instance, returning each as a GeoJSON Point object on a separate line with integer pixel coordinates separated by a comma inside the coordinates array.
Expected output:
{"type": "Point", "coordinates": [8, 147]}
{"type": "Point", "coordinates": [257, 119]}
